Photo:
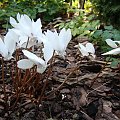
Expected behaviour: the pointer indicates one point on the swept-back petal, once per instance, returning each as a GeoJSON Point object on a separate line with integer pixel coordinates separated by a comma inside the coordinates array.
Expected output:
{"type": "Point", "coordinates": [3, 49]}
{"type": "Point", "coordinates": [83, 50]}
{"type": "Point", "coordinates": [33, 57]}
{"type": "Point", "coordinates": [17, 31]}
{"type": "Point", "coordinates": [90, 48]}
{"type": "Point", "coordinates": [18, 17]}
{"type": "Point", "coordinates": [111, 43]}
{"type": "Point", "coordinates": [36, 29]}
{"type": "Point", "coordinates": [26, 19]}
{"type": "Point", "coordinates": [10, 41]}
{"type": "Point", "coordinates": [47, 51]}
{"type": "Point", "coordinates": [52, 37]}
{"type": "Point", "coordinates": [65, 37]}
{"type": "Point", "coordinates": [113, 52]}
{"type": "Point", "coordinates": [25, 25]}
{"type": "Point", "coordinates": [25, 64]}
{"type": "Point", "coordinates": [62, 41]}
{"type": "Point", "coordinates": [13, 22]}
{"type": "Point", "coordinates": [36, 26]}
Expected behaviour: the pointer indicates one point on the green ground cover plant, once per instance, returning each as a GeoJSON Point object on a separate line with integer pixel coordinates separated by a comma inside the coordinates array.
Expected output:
{"type": "Point", "coordinates": [45, 9]}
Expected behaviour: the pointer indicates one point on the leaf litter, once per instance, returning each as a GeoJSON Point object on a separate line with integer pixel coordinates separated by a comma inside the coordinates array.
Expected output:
{"type": "Point", "coordinates": [76, 99]}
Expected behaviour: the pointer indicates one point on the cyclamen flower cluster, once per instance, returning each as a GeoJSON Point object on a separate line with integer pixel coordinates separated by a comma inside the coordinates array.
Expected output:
{"type": "Point", "coordinates": [87, 50]}
{"type": "Point", "coordinates": [27, 33]}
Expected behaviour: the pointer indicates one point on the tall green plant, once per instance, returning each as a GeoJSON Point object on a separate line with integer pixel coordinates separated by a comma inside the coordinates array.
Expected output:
{"type": "Point", "coordinates": [109, 10]}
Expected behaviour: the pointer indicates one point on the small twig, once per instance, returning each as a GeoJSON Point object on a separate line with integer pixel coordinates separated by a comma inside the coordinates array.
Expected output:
{"type": "Point", "coordinates": [27, 74]}
{"type": "Point", "coordinates": [4, 89]}
{"type": "Point", "coordinates": [48, 74]}
{"type": "Point", "coordinates": [86, 116]}
{"type": "Point", "coordinates": [27, 42]}
{"type": "Point", "coordinates": [16, 70]}
{"type": "Point", "coordinates": [97, 88]}
{"type": "Point", "coordinates": [20, 90]}
{"type": "Point", "coordinates": [59, 87]}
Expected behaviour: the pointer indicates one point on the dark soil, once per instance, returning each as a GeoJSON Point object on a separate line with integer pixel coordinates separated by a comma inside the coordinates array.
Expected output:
{"type": "Point", "coordinates": [89, 92]}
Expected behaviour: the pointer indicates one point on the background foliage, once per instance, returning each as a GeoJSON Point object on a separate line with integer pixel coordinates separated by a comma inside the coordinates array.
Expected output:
{"type": "Point", "coordinates": [45, 9]}
{"type": "Point", "coordinates": [109, 10]}
{"type": "Point", "coordinates": [85, 22]}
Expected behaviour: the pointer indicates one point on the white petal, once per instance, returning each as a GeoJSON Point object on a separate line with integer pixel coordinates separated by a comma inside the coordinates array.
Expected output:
{"type": "Point", "coordinates": [33, 57]}
{"type": "Point", "coordinates": [90, 48]}
{"type": "Point", "coordinates": [10, 41]}
{"type": "Point", "coordinates": [83, 50]}
{"type": "Point", "coordinates": [65, 37]}
{"type": "Point", "coordinates": [111, 43]}
{"type": "Point", "coordinates": [23, 39]}
{"type": "Point", "coordinates": [36, 30]}
{"type": "Point", "coordinates": [18, 17]}
{"type": "Point", "coordinates": [36, 26]}
{"type": "Point", "coordinates": [113, 52]}
{"type": "Point", "coordinates": [76, 46]}
{"type": "Point", "coordinates": [62, 33]}
{"type": "Point", "coordinates": [25, 25]}
{"type": "Point", "coordinates": [3, 49]}
{"type": "Point", "coordinates": [25, 64]}
{"type": "Point", "coordinates": [13, 22]}
{"type": "Point", "coordinates": [53, 38]}
{"type": "Point", "coordinates": [18, 32]}
{"type": "Point", "coordinates": [62, 39]}
{"type": "Point", "coordinates": [47, 51]}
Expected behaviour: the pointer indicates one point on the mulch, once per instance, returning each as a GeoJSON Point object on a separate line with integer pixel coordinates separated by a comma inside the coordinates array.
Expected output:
{"type": "Point", "coordinates": [89, 92]}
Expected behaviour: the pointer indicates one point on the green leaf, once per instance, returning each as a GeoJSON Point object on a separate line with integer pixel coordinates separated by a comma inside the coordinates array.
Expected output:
{"type": "Point", "coordinates": [108, 27]}
{"type": "Point", "coordinates": [40, 10]}
{"type": "Point", "coordinates": [97, 33]}
{"type": "Point", "coordinates": [106, 34]}
{"type": "Point", "coordinates": [87, 32]}
{"type": "Point", "coordinates": [114, 63]}
{"type": "Point", "coordinates": [75, 32]}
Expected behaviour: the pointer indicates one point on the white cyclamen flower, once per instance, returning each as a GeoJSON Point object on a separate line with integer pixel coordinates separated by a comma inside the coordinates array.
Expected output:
{"type": "Point", "coordinates": [113, 52]}
{"type": "Point", "coordinates": [8, 46]}
{"type": "Point", "coordinates": [28, 30]}
{"type": "Point", "coordinates": [59, 41]}
{"type": "Point", "coordinates": [113, 44]}
{"type": "Point", "coordinates": [35, 60]}
{"type": "Point", "coordinates": [87, 50]}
